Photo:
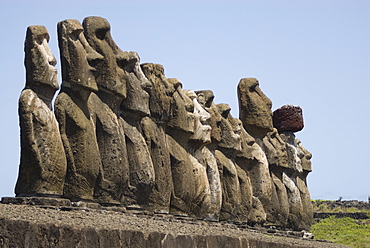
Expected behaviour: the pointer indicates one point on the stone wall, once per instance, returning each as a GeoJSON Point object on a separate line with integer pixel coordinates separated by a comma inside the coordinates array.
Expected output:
{"type": "Point", "coordinates": [356, 216]}
{"type": "Point", "coordinates": [47, 226]}
{"type": "Point", "coordinates": [360, 205]}
{"type": "Point", "coordinates": [49, 235]}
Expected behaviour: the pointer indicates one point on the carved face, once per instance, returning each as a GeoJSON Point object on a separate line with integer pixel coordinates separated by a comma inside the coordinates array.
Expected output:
{"type": "Point", "coordinates": [183, 117]}
{"type": "Point", "coordinates": [138, 86]}
{"type": "Point", "coordinates": [254, 107]}
{"type": "Point", "coordinates": [246, 143]}
{"type": "Point", "coordinates": [39, 61]}
{"type": "Point", "coordinates": [161, 92]}
{"type": "Point", "coordinates": [305, 156]}
{"type": "Point", "coordinates": [230, 129]}
{"type": "Point", "coordinates": [78, 57]}
{"type": "Point", "coordinates": [205, 99]}
{"type": "Point", "coordinates": [108, 75]}
{"type": "Point", "coordinates": [202, 132]}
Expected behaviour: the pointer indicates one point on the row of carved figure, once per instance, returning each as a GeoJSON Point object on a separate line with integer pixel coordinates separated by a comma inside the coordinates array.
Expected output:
{"type": "Point", "coordinates": [122, 133]}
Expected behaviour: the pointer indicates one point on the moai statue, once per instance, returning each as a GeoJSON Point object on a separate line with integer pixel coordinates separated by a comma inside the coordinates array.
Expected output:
{"type": "Point", "coordinates": [302, 183]}
{"type": "Point", "coordinates": [154, 130]}
{"type": "Point", "coordinates": [132, 110]}
{"type": "Point", "coordinates": [43, 163]}
{"type": "Point", "coordinates": [72, 112]}
{"type": "Point", "coordinates": [247, 160]}
{"type": "Point", "coordinates": [236, 200]}
{"type": "Point", "coordinates": [256, 115]}
{"type": "Point", "coordinates": [246, 211]}
{"type": "Point", "coordinates": [254, 108]}
{"type": "Point", "coordinates": [238, 203]}
{"type": "Point", "coordinates": [197, 143]}
{"type": "Point", "coordinates": [277, 156]}
{"type": "Point", "coordinates": [205, 99]}
{"type": "Point", "coordinates": [104, 107]}
{"type": "Point", "coordinates": [228, 146]}
{"type": "Point", "coordinates": [186, 136]}
{"type": "Point", "coordinates": [287, 120]}
{"type": "Point", "coordinates": [225, 177]}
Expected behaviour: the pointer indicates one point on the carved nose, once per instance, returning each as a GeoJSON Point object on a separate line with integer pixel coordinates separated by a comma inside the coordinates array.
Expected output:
{"type": "Point", "coordinates": [52, 60]}
{"type": "Point", "coordinates": [308, 155]}
{"type": "Point", "coordinates": [146, 85]}
{"type": "Point", "coordinates": [207, 128]}
{"type": "Point", "coordinates": [94, 58]}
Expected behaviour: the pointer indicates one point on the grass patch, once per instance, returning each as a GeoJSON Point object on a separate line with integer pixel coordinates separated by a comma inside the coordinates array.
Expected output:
{"type": "Point", "coordinates": [344, 231]}
{"type": "Point", "coordinates": [322, 206]}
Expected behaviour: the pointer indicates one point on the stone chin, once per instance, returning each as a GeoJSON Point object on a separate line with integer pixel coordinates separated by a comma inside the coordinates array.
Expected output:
{"type": "Point", "coordinates": [258, 123]}
{"type": "Point", "coordinates": [202, 135]}
{"type": "Point", "coordinates": [88, 84]}
{"type": "Point", "coordinates": [54, 78]}
{"type": "Point", "coordinates": [258, 130]}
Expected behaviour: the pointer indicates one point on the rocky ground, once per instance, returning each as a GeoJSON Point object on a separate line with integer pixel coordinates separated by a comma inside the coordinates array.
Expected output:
{"type": "Point", "coordinates": [146, 222]}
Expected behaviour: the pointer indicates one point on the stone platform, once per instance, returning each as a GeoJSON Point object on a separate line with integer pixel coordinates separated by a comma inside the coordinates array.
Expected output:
{"type": "Point", "coordinates": [50, 222]}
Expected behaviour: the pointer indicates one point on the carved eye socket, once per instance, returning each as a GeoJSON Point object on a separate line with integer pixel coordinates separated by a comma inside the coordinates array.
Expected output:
{"type": "Point", "coordinates": [218, 123]}
{"type": "Point", "coordinates": [253, 88]}
{"type": "Point", "coordinates": [269, 104]}
{"type": "Point", "coordinates": [39, 40]}
{"type": "Point", "coordinates": [308, 156]}
{"type": "Point", "coordinates": [189, 107]}
{"type": "Point", "coordinates": [101, 33]}
{"type": "Point", "coordinates": [75, 34]}
{"type": "Point", "coordinates": [225, 114]}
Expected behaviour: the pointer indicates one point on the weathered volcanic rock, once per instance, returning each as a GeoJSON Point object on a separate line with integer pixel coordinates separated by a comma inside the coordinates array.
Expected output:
{"type": "Point", "coordinates": [153, 126]}
{"type": "Point", "coordinates": [124, 134]}
{"type": "Point", "coordinates": [71, 110]}
{"type": "Point", "coordinates": [288, 118]}
{"type": "Point", "coordinates": [186, 138]}
{"type": "Point", "coordinates": [32, 226]}
{"type": "Point", "coordinates": [104, 107]}
{"type": "Point", "coordinates": [254, 108]}
{"type": "Point", "coordinates": [225, 155]}
{"type": "Point", "coordinates": [133, 109]}
{"type": "Point", "coordinates": [43, 163]}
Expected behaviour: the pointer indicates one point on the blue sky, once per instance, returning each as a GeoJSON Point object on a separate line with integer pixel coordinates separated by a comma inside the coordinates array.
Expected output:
{"type": "Point", "coordinates": [315, 54]}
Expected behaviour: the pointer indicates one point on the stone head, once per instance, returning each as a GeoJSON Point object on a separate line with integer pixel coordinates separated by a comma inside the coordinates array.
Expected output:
{"type": "Point", "coordinates": [182, 117]}
{"type": "Point", "coordinates": [254, 108]}
{"type": "Point", "coordinates": [109, 76]}
{"type": "Point", "coordinates": [230, 129]}
{"type": "Point", "coordinates": [205, 99]}
{"type": "Point", "coordinates": [246, 142]}
{"type": "Point", "coordinates": [137, 86]}
{"type": "Point", "coordinates": [202, 131]}
{"type": "Point", "coordinates": [305, 157]}
{"type": "Point", "coordinates": [78, 58]}
{"type": "Point", "coordinates": [161, 92]}
{"type": "Point", "coordinates": [39, 61]}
